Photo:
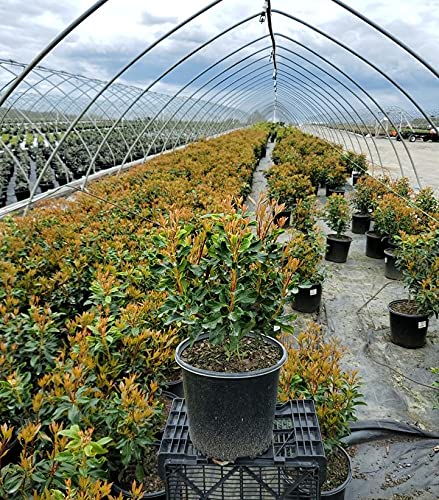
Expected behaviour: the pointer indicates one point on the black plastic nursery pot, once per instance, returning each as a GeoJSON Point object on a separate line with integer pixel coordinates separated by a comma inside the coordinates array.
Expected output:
{"type": "Point", "coordinates": [308, 299]}
{"type": "Point", "coordinates": [156, 495]}
{"type": "Point", "coordinates": [339, 492]}
{"type": "Point", "coordinates": [375, 245]}
{"type": "Point", "coordinates": [231, 415]}
{"type": "Point", "coordinates": [175, 387]}
{"type": "Point", "coordinates": [355, 177]}
{"type": "Point", "coordinates": [337, 248]}
{"type": "Point", "coordinates": [407, 330]}
{"type": "Point", "coordinates": [333, 190]}
{"type": "Point", "coordinates": [360, 223]}
{"type": "Point", "coordinates": [390, 269]}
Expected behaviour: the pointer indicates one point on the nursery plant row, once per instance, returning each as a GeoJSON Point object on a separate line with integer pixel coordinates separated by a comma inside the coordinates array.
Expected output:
{"type": "Point", "coordinates": [78, 149]}
{"type": "Point", "coordinates": [101, 292]}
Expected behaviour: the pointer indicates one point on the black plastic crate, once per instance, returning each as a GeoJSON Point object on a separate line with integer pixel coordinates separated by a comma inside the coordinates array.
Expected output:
{"type": "Point", "coordinates": [292, 468]}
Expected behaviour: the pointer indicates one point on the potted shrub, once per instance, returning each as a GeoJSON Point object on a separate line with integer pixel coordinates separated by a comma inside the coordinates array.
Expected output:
{"type": "Point", "coordinates": [306, 285]}
{"type": "Point", "coordinates": [393, 215]}
{"type": "Point", "coordinates": [363, 202]}
{"type": "Point", "coordinates": [286, 186]}
{"type": "Point", "coordinates": [354, 163]}
{"type": "Point", "coordinates": [335, 180]}
{"type": "Point", "coordinates": [337, 215]}
{"type": "Point", "coordinates": [304, 215]}
{"type": "Point", "coordinates": [313, 370]}
{"type": "Point", "coordinates": [418, 258]}
{"type": "Point", "coordinates": [374, 244]}
{"type": "Point", "coordinates": [228, 279]}
{"type": "Point", "coordinates": [428, 206]}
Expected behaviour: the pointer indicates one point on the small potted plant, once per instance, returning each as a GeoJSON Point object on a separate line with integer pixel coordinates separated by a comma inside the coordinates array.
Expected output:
{"type": "Point", "coordinates": [313, 371]}
{"type": "Point", "coordinates": [392, 215]}
{"type": "Point", "coordinates": [337, 215]}
{"type": "Point", "coordinates": [428, 206]}
{"type": "Point", "coordinates": [228, 279]}
{"type": "Point", "coordinates": [379, 186]}
{"type": "Point", "coordinates": [335, 180]}
{"type": "Point", "coordinates": [418, 258]}
{"type": "Point", "coordinates": [306, 285]}
{"type": "Point", "coordinates": [304, 215]}
{"type": "Point", "coordinates": [357, 165]}
{"type": "Point", "coordinates": [286, 186]}
{"type": "Point", "coordinates": [363, 202]}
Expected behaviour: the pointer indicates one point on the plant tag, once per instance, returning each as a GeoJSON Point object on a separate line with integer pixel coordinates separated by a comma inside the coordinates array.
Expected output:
{"type": "Point", "coordinates": [422, 324]}
{"type": "Point", "coordinates": [313, 292]}
{"type": "Point", "coordinates": [385, 260]}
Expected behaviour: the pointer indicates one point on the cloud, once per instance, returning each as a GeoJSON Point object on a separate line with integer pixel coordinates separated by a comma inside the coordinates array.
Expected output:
{"type": "Point", "coordinates": [115, 34]}
{"type": "Point", "coordinates": [150, 19]}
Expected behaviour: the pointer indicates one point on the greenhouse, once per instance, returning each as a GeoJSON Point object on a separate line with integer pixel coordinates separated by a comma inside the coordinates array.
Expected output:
{"type": "Point", "coordinates": [219, 239]}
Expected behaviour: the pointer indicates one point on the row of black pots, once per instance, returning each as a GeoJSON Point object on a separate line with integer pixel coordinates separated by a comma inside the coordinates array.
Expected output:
{"type": "Point", "coordinates": [406, 330]}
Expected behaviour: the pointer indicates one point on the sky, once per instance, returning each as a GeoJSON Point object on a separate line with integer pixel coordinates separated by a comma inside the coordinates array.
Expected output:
{"type": "Point", "coordinates": [119, 30]}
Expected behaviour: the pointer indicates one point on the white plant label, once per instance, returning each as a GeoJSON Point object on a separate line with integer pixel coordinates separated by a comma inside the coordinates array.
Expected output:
{"type": "Point", "coordinates": [422, 324]}
{"type": "Point", "coordinates": [385, 260]}
{"type": "Point", "coordinates": [313, 292]}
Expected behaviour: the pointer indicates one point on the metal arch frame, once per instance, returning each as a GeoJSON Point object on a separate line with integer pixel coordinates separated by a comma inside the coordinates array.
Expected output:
{"type": "Point", "coordinates": [341, 97]}
{"type": "Point", "coordinates": [400, 89]}
{"type": "Point", "coordinates": [222, 72]}
{"type": "Point", "coordinates": [308, 110]}
{"type": "Point", "coordinates": [169, 70]}
{"type": "Point", "coordinates": [76, 23]}
{"type": "Point", "coordinates": [269, 104]}
{"type": "Point", "coordinates": [192, 104]}
{"type": "Point", "coordinates": [222, 90]}
{"type": "Point", "coordinates": [316, 110]}
{"type": "Point", "coordinates": [201, 98]}
{"type": "Point", "coordinates": [388, 35]}
{"type": "Point", "coordinates": [363, 59]}
{"type": "Point", "coordinates": [250, 43]}
{"type": "Point", "coordinates": [344, 86]}
{"type": "Point", "coordinates": [172, 68]}
{"type": "Point", "coordinates": [120, 73]}
{"type": "Point", "coordinates": [365, 92]}
{"type": "Point", "coordinates": [303, 108]}
{"type": "Point", "coordinates": [305, 87]}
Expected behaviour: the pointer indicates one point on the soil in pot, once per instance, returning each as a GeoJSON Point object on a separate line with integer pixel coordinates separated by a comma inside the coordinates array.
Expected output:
{"type": "Point", "coordinates": [375, 245]}
{"type": "Point", "coordinates": [360, 223]}
{"type": "Point", "coordinates": [337, 248]}
{"type": "Point", "coordinates": [390, 270]}
{"type": "Point", "coordinates": [308, 299]}
{"type": "Point", "coordinates": [338, 475]}
{"type": "Point", "coordinates": [408, 327]}
{"type": "Point", "coordinates": [153, 486]}
{"type": "Point", "coordinates": [231, 402]}
{"type": "Point", "coordinates": [214, 358]}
